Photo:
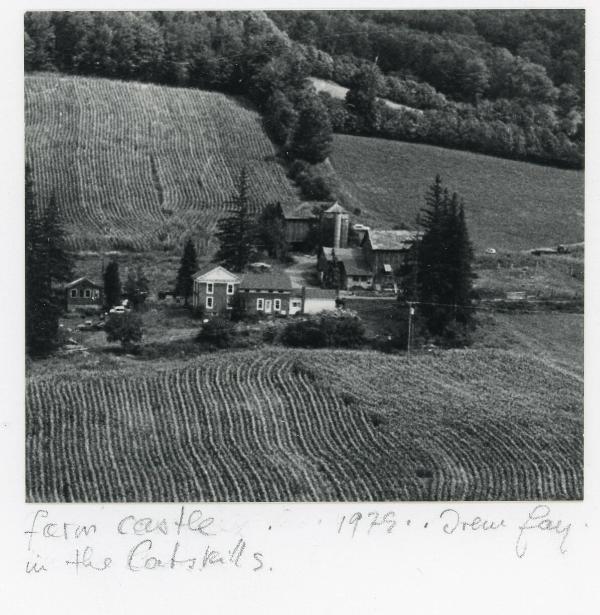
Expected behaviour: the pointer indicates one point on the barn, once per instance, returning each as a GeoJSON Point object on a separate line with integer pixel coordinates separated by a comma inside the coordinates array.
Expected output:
{"type": "Point", "coordinates": [385, 252]}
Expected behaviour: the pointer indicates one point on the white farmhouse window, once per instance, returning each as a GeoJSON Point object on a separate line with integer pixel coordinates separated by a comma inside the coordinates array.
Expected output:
{"type": "Point", "coordinates": [87, 293]}
{"type": "Point", "coordinates": [260, 304]}
{"type": "Point", "coordinates": [209, 302]}
{"type": "Point", "coordinates": [96, 294]}
{"type": "Point", "coordinates": [228, 303]}
{"type": "Point", "coordinates": [210, 289]}
{"type": "Point", "coordinates": [73, 293]}
{"type": "Point", "coordinates": [277, 305]}
{"type": "Point", "coordinates": [230, 289]}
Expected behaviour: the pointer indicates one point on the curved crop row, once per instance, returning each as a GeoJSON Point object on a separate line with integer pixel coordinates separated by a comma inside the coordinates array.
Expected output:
{"type": "Point", "coordinates": [281, 426]}
{"type": "Point", "coordinates": [137, 166]}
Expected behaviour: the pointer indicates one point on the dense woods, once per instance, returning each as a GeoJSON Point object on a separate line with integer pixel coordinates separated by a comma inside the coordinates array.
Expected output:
{"type": "Point", "coordinates": [507, 83]}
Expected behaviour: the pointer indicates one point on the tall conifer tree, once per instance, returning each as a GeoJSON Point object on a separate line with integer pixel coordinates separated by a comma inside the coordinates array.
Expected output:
{"type": "Point", "coordinates": [112, 284]}
{"type": "Point", "coordinates": [444, 270]}
{"type": "Point", "coordinates": [237, 233]}
{"type": "Point", "coordinates": [47, 267]}
{"type": "Point", "coordinates": [188, 267]}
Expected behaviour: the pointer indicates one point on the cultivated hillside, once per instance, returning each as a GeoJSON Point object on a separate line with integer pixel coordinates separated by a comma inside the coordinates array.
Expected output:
{"type": "Point", "coordinates": [509, 204]}
{"type": "Point", "coordinates": [137, 166]}
{"type": "Point", "coordinates": [297, 425]}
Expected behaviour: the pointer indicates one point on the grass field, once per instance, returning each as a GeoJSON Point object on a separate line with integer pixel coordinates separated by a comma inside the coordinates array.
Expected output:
{"type": "Point", "coordinates": [510, 205]}
{"type": "Point", "coordinates": [293, 425]}
{"type": "Point", "coordinates": [136, 166]}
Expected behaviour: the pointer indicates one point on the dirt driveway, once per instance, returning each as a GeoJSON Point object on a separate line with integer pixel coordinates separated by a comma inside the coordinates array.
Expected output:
{"type": "Point", "coordinates": [304, 271]}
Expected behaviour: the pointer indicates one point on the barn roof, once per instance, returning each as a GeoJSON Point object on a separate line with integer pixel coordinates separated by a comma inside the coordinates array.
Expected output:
{"type": "Point", "coordinates": [269, 280]}
{"type": "Point", "coordinates": [391, 240]}
{"type": "Point", "coordinates": [352, 258]}
{"type": "Point", "coordinates": [82, 280]}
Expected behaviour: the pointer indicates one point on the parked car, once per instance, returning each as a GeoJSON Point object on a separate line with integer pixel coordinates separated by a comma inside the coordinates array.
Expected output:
{"type": "Point", "coordinates": [490, 251]}
{"type": "Point", "coordinates": [119, 309]}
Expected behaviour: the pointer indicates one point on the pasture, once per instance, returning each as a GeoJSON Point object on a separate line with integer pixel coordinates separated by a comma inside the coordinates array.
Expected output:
{"type": "Point", "coordinates": [510, 205]}
{"type": "Point", "coordinates": [280, 425]}
{"type": "Point", "coordinates": [137, 166]}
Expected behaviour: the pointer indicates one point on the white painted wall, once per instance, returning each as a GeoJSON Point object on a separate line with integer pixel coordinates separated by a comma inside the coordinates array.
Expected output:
{"type": "Point", "coordinates": [314, 306]}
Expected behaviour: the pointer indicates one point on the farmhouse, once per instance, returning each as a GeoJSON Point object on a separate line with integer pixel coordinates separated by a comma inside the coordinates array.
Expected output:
{"type": "Point", "coordinates": [83, 293]}
{"type": "Point", "coordinates": [214, 288]}
{"type": "Point", "coordinates": [354, 269]}
{"type": "Point", "coordinates": [267, 293]}
{"type": "Point", "coordinates": [385, 251]}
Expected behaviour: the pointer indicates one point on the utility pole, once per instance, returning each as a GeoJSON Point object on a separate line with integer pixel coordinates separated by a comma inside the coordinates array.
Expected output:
{"type": "Point", "coordinates": [411, 311]}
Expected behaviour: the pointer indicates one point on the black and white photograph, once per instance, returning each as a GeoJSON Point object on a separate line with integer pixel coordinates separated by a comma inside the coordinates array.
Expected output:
{"type": "Point", "coordinates": [304, 255]}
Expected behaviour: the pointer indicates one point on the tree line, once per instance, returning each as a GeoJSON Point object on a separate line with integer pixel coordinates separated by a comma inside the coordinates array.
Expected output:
{"type": "Point", "coordinates": [472, 91]}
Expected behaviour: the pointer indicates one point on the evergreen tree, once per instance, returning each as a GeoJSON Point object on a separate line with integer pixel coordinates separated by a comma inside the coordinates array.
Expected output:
{"type": "Point", "coordinates": [58, 260]}
{"type": "Point", "coordinates": [444, 269]}
{"type": "Point", "coordinates": [271, 232]}
{"type": "Point", "coordinates": [188, 267]}
{"type": "Point", "coordinates": [333, 275]}
{"type": "Point", "coordinates": [47, 267]}
{"type": "Point", "coordinates": [237, 232]}
{"type": "Point", "coordinates": [112, 285]}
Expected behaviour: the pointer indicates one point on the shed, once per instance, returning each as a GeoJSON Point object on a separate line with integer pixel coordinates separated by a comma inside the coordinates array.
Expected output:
{"type": "Point", "coordinates": [317, 300]}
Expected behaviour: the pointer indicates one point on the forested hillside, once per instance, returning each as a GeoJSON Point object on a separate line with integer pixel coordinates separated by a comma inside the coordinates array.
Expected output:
{"type": "Point", "coordinates": [508, 83]}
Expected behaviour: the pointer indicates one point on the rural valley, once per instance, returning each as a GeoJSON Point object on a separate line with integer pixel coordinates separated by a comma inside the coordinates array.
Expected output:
{"type": "Point", "coordinates": [271, 336]}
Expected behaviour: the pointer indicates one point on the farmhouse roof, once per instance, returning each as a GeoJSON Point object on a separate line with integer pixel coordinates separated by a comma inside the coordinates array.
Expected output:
{"type": "Point", "coordinates": [391, 240]}
{"type": "Point", "coordinates": [212, 273]}
{"type": "Point", "coordinates": [319, 293]}
{"type": "Point", "coordinates": [82, 281]}
{"type": "Point", "coordinates": [301, 211]}
{"type": "Point", "coordinates": [269, 280]}
{"type": "Point", "coordinates": [352, 259]}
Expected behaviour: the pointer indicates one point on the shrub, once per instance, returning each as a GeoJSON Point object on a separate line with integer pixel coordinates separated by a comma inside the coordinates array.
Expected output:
{"type": "Point", "coordinates": [217, 333]}
{"type": "Point", "coordinates": [239, 310]}
{"type": "Point", "coordinates": [334, 331]}
{"type": "Point", "coordinates": [198, 312]}
{"type": "Point", "coordinates": [125, 328]}
{"type": "Point", "coordinates": [316, 183]}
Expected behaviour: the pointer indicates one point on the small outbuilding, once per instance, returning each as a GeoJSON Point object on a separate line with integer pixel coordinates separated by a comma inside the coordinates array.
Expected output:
{"type": "Point", "coordinates": [83, 294]}
{"type": "Point", "coordinates": [317, 300]}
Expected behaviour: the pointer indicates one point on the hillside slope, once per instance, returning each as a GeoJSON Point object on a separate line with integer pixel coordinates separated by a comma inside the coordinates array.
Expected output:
{"type": "Point", "coordinates": [305, 425]}
{"type": "Point", "coordinates": [509, 204]}
{"type": "Point", "coordinates": [137, 166]}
